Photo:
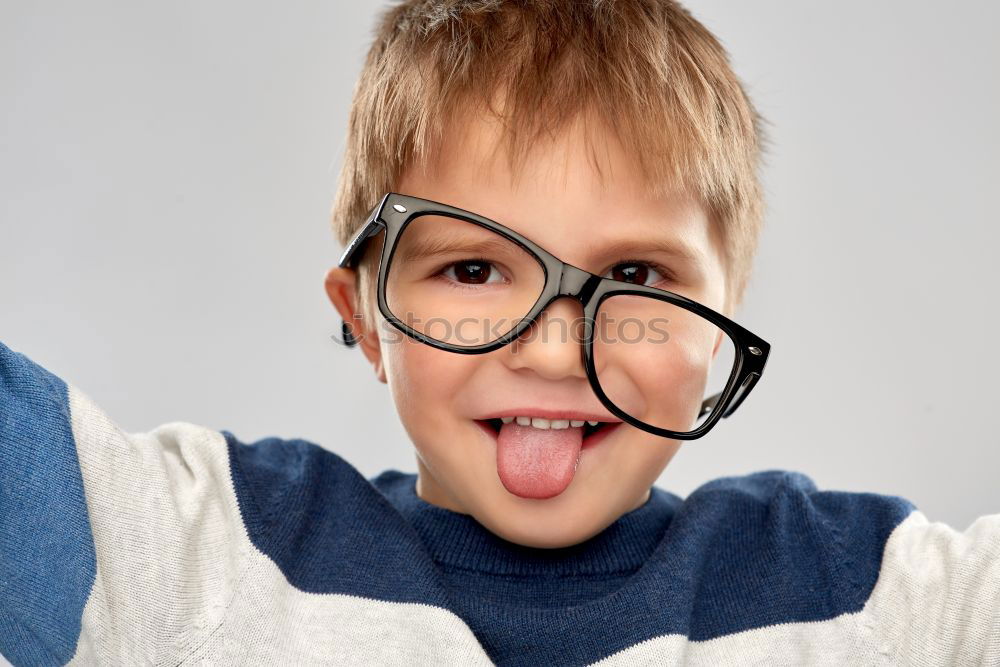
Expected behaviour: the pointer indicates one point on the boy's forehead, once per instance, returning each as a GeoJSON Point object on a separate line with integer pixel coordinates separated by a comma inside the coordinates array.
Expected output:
{"type": "Point", "coordinates": [583, 155]}
{"type": "Point", "coordinates": [573, 190]}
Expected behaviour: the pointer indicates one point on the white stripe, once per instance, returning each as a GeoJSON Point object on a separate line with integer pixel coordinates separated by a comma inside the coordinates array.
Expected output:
{"type": "Point", "coordinates": [841, 641]}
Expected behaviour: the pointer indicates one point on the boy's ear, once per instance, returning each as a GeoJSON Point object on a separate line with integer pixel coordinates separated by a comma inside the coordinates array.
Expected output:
{"type": "Point", "coordinates": [340, 288]}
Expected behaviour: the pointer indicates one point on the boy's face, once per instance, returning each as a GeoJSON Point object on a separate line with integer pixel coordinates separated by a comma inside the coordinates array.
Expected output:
{"type": "Point", "coordinates": [559, 203]}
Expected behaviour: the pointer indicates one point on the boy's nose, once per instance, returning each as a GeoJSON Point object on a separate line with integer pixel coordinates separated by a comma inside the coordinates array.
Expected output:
{"type": "Point", "coordinates": [551, 346]}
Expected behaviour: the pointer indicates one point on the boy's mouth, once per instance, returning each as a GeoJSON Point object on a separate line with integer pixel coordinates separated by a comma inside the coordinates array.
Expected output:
{"type": "Point", "coordinates": [537, 457]}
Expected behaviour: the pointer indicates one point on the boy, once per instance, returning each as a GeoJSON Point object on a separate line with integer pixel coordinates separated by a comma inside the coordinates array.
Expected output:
{"type": "Point", "coordinates": [513, 169]}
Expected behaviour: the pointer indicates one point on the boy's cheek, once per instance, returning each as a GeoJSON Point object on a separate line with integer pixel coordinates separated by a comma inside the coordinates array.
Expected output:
{"type": "Point", "coordinates": [424, 380]}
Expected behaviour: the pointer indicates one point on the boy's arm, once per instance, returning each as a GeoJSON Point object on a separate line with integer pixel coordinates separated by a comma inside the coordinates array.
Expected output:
{"type": "Point", "coordinates": [114, 547]}
{"type": "Point", "coordinates": [937, 599]}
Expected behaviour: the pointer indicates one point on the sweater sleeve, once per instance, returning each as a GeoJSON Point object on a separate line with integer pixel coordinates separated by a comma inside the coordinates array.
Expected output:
{"type": "Point", "coordinates": [937, 600]}
{"type": "Point", "coordinates": [115, 548]}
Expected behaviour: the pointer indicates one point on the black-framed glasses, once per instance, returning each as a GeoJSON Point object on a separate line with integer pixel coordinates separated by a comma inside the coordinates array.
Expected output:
{"type": "Point", "coordinates": [463, 283]}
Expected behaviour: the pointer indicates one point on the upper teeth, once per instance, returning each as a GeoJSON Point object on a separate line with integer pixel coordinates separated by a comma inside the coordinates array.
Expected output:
{"type": "Point", "coordinates": [539, 422]}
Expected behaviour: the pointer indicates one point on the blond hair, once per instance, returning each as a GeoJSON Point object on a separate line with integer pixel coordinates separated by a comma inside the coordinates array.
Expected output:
{"type": "Point", "coordinates": [657, 77]}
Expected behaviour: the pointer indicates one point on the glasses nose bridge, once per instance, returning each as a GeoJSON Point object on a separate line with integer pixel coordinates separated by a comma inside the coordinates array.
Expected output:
{"type": "Point", "coordinates": [577, 283]}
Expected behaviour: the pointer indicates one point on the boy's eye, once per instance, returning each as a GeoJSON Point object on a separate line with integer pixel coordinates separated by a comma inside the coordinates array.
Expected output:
{"type": "Point", "coordinates": [637, 272]}
{"type": "Point", "coordinates": [472, 272]}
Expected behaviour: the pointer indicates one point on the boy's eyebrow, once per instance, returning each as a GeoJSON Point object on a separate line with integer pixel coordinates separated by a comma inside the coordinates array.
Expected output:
{"type": "Point", "coordinates": [419, 248]}
{"type": "Point", "coordinates": [674, 248]}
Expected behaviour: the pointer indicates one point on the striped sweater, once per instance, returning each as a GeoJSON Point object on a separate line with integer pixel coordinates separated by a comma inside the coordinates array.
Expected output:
{"type": "Point", "coordinates": [184, 545]}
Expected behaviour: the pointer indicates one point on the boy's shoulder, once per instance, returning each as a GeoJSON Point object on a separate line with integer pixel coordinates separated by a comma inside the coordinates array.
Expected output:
{"type": "Point", "coordinates": [777, 495]}
{"type": "Point", "coordinates": [322, 522]}
{"type": "Point", "coordinates": [773, 548]}
{"type": "Point", "coordinates": [787, 508]}
{"type": "Point", "coordinates": [287, 485]}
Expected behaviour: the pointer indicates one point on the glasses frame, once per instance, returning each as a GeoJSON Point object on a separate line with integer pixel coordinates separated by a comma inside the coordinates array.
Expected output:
{"type": "Point", "coordinates": [395, 211]}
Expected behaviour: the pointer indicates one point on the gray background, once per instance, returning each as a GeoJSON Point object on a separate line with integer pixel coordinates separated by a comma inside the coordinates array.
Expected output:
{"type": "Point", "coordinates": [166, 171]}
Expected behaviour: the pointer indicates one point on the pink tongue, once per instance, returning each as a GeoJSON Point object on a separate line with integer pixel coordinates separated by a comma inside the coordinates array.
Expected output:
{"type": "Point", "coordinates": [537, 463]}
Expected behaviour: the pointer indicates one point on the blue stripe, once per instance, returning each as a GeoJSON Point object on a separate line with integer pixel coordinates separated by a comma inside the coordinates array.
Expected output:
{"type": "Point", "coordinates": [47, 561]}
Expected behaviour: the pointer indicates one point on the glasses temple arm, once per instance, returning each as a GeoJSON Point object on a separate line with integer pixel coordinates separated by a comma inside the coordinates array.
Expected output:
{"type": "Point", "coordinates": [708, 404]}
{"type": "Point", "coordinates": [353, 251]}
{"type": "Point", "coordinates": [741, 393]}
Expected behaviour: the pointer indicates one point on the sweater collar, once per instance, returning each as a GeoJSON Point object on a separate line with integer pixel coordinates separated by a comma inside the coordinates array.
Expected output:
{"type": "Point", "coordinates": [458, 540]}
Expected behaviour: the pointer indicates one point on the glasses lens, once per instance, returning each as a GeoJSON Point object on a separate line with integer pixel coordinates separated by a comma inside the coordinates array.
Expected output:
{"type": "Point", "coordinates": [459, 282]}
{"type": "Point", "coordinates": [658, 362]}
